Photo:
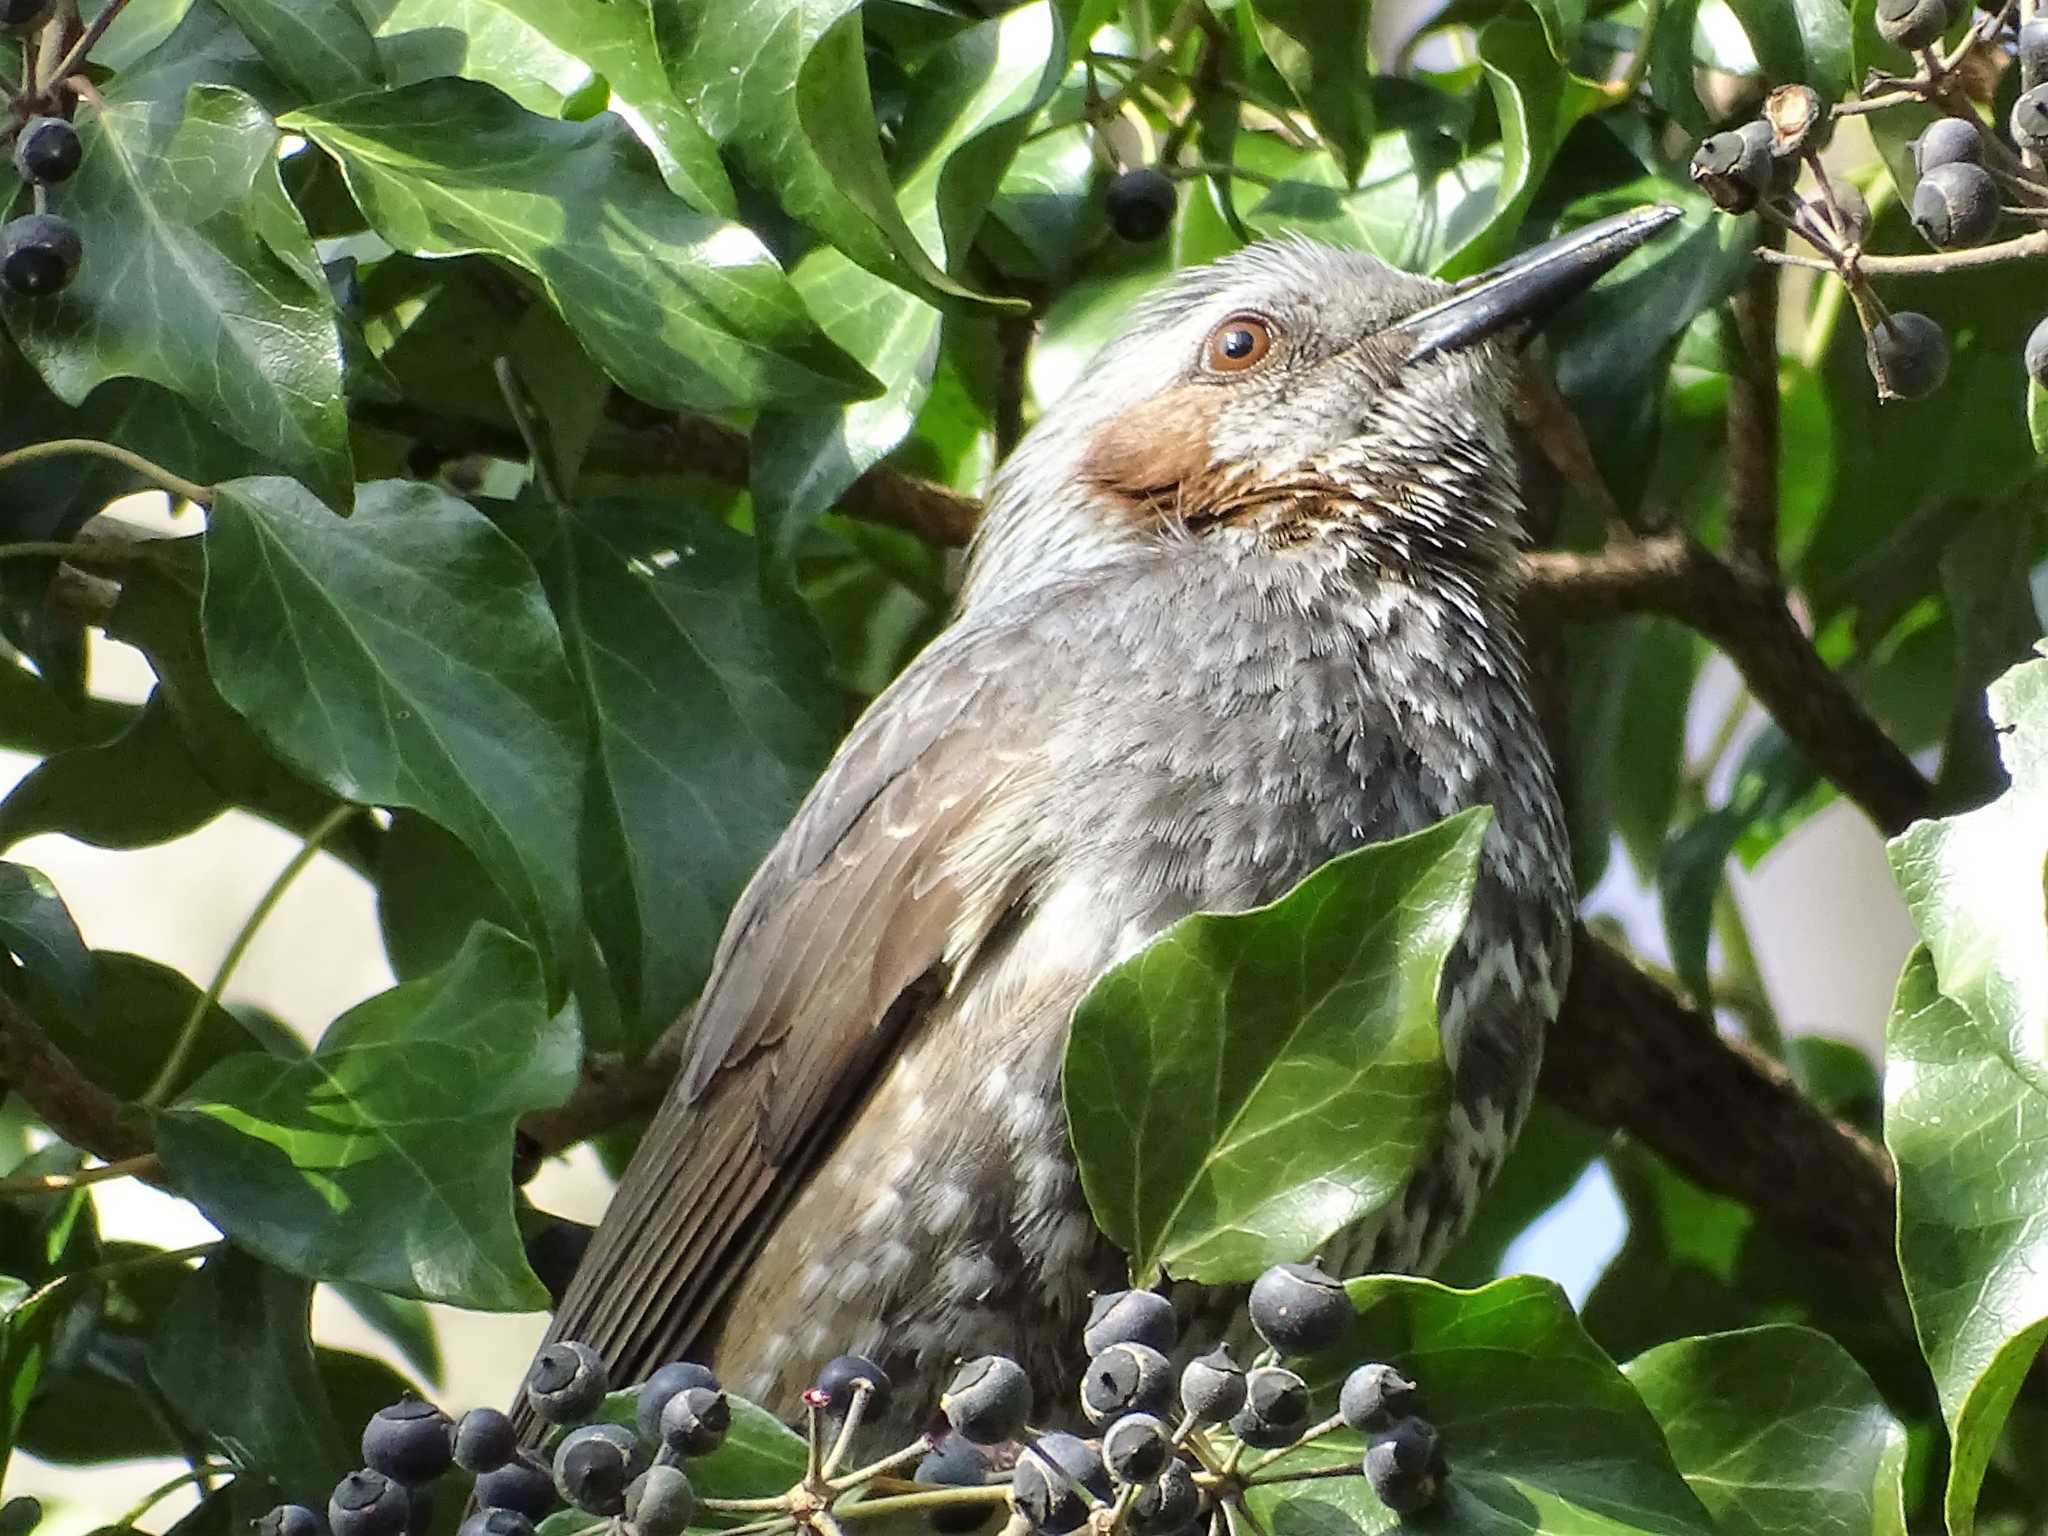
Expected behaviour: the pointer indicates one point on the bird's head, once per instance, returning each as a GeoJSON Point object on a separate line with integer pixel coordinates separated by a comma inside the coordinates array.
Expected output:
{"type": "Point", "coordinates": [1289, 389]}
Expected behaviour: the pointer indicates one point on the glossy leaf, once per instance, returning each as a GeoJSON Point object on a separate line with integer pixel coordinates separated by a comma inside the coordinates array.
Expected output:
{"type": "Point", "coordinates": [235, 1359]}
{"type": "Point", "coordinates": [711, 715]}
{"type": "Point", "coordinates": [385, 1157]}
{"type": "Point", "coordinates": [542, 53]}
{"type": "Point", "coordinates": [1544, 1433]}
{"type": "Point", "coordinates": [1779, 1432]}
{"type": "Point", "coordinates": [1320, 51]}
{"type": "Point", "coordinates": [1246, 1085]}
{"type": "Point", "coordinates": [37, 932]}
{"type": "Point", "coordinates": [1800, 40]}
{"type": "Point", "coordinates": [1967, 1125]}
{"type": "Point", "coordinates": [29, 1320]}
{"type": "Point", "coordinates": [320, 46]}
{"type": "Point", "coordinates": [973, 98]}
{"type": "Point", "coordinates": [684, 309]}
{"type": "Point", "coordinates": [140, 1006]}
{"type": "Point", "coordinates": [406, 657]}
{"type": "Point", "coordinates": [89, 792]}
{"type": "Point", "coordinates": [197, 276]}
{"type": "Point", "coordinates": [783, 85]}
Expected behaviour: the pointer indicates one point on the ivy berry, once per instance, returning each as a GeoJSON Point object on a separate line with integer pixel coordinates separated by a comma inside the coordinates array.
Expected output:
{"type": "Point", "coordinates": [39, 254]}
{"type": "Point", "coordinates": [46, 151]}
{"type": "Point", "coordinates": [1140, 204]}
{"type": "Point", "coordinates": [988, 1399]}
{"type": "Point", "coordinates": [1298, 1309]}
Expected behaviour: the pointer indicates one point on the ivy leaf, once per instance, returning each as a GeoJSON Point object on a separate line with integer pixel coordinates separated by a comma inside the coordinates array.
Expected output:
{"type": "Point", "coordinates": [36, 930]}
{"type": "Point", "coordinates": [1320, 51]}
{"type": "Point", "coordinates": [542, 53]}
{"type": "Point", "coordinates": [234, 1356]}
{"type": "Point", "coordinates": [197, 276]}
{"type": "Point", "coordinates": [1248, 1084]}
{"type": "Point", "coordinates": [1967, 1126]}
{"type": "Point", "coordinates": [1805, 40]}
{"type": "Point", "coordinates": [973, 100]}
{"type": "Point", "coordinates": [406, 657]}
{"type": "Point", "coordinates": [683, 309]}
{"type": "Point", "coordinates": [321, 47]}
{"type": "Point", "coordinates": [86, 792]}
{"type": "Point", "coordinates": [385, 1157]}
{"type": "Point", "coordinates": [712, 716]}
{"type": "Point", "coordinates": [1779, 1431]}
{"type": "Point", "coordinates": [783, 84]}
{"type": "Point", "coordinates": [1545, 1434]}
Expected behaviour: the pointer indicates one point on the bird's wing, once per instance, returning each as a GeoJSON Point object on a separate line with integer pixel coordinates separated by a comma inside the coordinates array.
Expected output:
{"type": "Point", "coordinates": [838, 946]}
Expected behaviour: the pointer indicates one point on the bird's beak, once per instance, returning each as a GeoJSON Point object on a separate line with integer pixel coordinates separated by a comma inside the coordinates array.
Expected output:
{"type": "Point", "coordinates": [1530, 286]}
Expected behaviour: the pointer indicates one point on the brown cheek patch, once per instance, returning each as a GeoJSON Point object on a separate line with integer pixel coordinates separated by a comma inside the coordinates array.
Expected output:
{"type": "Point", "coordinates": [1154, 458]}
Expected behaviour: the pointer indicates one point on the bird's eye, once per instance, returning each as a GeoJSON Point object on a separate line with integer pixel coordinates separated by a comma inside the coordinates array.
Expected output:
{"type": "Point", "coordinates": [1239, 343]}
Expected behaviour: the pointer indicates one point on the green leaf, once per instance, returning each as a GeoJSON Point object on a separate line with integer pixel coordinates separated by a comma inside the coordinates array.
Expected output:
{"type": "Point", "coordinates": [406, 1325]}
{"type": "Point", "coordinates": [1651, 737]}
{"type": "Point", "coordinates": [783, 85]}
{"type": "Point", "coordinates": [1544, 1434]}
{"type": "Point", "coordinates": [2037, 416]}
{"type": "Point", "coordinates": [406, 657]}
{"type": "Point", "coordinates": [385, 1157]}
{"type": "Point", "coordinates": [37, 931]}
{"type": "Point", "coordinates": [1539, 102]}
{"type": "Point", "coordinates": [1778, 1431]}
{"type": "Point", "coordinates": [1800, 40]}
{"type": "Point", "coordinates": [683, 309]}
{"type": "Point", "coordinates": [972, 102]}
{"type": "Point", "coordinates": [541, 53]}
{"type": "Point", "coordinates": [235, 1359]}
{"type": "Point", "coordinates": [1966, 1121]}
{"type": "Point", "coordinates": [1413, 205]}
{"type": "Point", "coordinates": [197, 276]}
{"type": "Point", "coordinates": [88, 792]}
{"type": "Point", "coordinates": [139, 1009]}
{"type": "Point", "coordinates": [1246, 1085]}
{"type": "Point", "coordinates": [430, 892]}
{"type": "Point", "coordinates": [713, 715]}
{"type": "Point", "coordinates": [320, 47]}
{"type": "Point", "coordinates": [28, 1325]}
{"type": "Point", "coordinates": [1320, 51]}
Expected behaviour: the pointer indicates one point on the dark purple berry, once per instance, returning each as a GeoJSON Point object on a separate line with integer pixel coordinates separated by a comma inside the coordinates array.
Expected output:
{"type": "Point", "coordinates": [1947, 141]}
{"type": "Point", "coordinates": [1212, 1387]}
{"type": "Point", "coordinates": [1298, 1309]}
{"type": "Point", "coordinates": [292, 1520]}
{"type": "Point", "coordinates": [567, 1383]}
{"type": "Point", "coordinates": [368, 1503]}
{"type": "Point", "coordinates": [1908, 355]}
{"type": "Point", "coordinates": [1374, 1396]}
{"type": "Point", "coordinates": [411, 1442]}
{"type": "Point", "coordinates": [522, 1484]}
{"type": "Point", "coordinates": [39, 254]}
{"type": "Point", "coordinates": [1168, 1503]}
{"type": "Point", "coordinates": [1405, 1466]}
{"type": "Point", "coordinates": [1126, 1378]}
{"type": "Point", "coordinates": [2029, 120]}
{"type": "Point", "coordinates": [841, 1375]}
{"type": "Point", "coordinates": [1130, 1317]}
{"type": "Point", "coordinates": [1955, 205]}
{"type": "Point", "coordinates": [1140, 205]}
{"type": "Point", "coordinates": [663, 1385]}
{"type": "Point", "coordinates": [496, 1522]}
{"type": "Point", "coordinates": [694, 1421]}
{"type": "Point", "coordinates": [957, 1463]}
{"type": "Point", "coordinates": [660, 1502]}
{"type": "Point", "coordinates": [1137, 1447]}
{"type": "Point", "coordinates": [484, 1440]}
{"type": "Point", "coordinates": [46, 151]}
{"type": "Point", "coordinates": [2037, 354]}
{"type": "Point", "coordinates": [20, 15]}
{"type": "Point", "coordinates": [988, 1399]}
{"type": "Point", "coordinates": [595, 1463]}
{"type": "Point", "coordinates": [1275, 1410]}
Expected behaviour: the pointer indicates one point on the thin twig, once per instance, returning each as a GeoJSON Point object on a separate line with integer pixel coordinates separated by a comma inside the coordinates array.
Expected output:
{"type": "Point", "coordinates": [59, 447]}
{"type": "Point", "coordinates": [195, 1021]}
{"type": "Point", "coordinates": [1933, 264]}
{"type": "Point", "coordinates": [1752, 436]}
{"type": "Point", "coordinates": [85, 44]}
{"type": "Point", "coordinates": [141, 1164]}
{"type": "Point", "coordinates": [64, 1098]}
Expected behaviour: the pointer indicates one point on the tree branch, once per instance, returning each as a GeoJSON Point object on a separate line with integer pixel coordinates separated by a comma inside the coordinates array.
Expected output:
{"type": "Point", "coordinates": [1932, 264]}
{"type": "Point", "coordinates": [1753, 426]}
{"type": "Point", "coordinates": [1627, 1053]}
{"type": "Point", "coordinates": [64, 1098]}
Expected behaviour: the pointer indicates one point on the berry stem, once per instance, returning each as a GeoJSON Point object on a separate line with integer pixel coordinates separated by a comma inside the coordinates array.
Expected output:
{"type": "Point", "coordinates": [188, 1035]}
{"type": "Point", "coordinates": [2022, 248]}
{"type": "Point", "coordinates": [68, 65]}
{"type": "Point", "coordinates": [1304, 1474]}
{"type": "Point", "coordinates": [51, 1183]}
{"type": "Point", "coordinates": [863, 1391]}
{"type": "Point", "coordinates": [1309, 1436]}
{"type": "Point", "coordinates": [58, 447]}
{"type": "Point", "coordinates": [934, 1498]}
{"type": "Point", "coordinates": [198, 1474]}
{"type": "Point", "coordinates": [917, 1449]}
{"type": "Point", "coordinates": [745, 1506]}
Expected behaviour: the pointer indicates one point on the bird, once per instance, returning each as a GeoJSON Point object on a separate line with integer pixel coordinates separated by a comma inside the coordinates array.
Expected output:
{"type": "Point", "coordinates": [1241, 600]}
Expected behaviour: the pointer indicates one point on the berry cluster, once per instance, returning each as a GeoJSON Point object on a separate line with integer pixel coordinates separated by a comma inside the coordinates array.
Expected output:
{"type": "Point", "coordinates": [1172, 1452]}
{"type": "Point", "coordinates": [1969, 179]}
{"type": "Point", "coordinates": [39, 250]}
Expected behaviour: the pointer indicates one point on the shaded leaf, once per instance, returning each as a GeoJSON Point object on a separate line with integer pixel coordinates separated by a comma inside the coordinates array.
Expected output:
{"type": "Point", "coordinates": [406, 657]}
{"type": "Point", "coordinates": [972, 101]}
{"type": "Point", "coordinates": [197, 276]}
{"type": "Point", "coordinates": [683, 309]}
{"type": "Point", "coordinates": [783, 84]}
{"type": "Point", "coordinates": [430, 892]}
{"type": "Point", "coordinates": [139, 1009]}
{"type": "Point", "coordinates": [1800, 40]}
{"type": "Point", "coordinates": [37, 931]}
{"type": "Point", "coordinates": [712, 716]}
{"type": "Point", "coordinates": [235, 1360]}
{"type": "Point", "coordinates": [89, 792]}
{"type": "Point", "coordinates": [386, 1156]}
{"type": "Point", "coordinates": [1320, 51]}
{"type": "Point", "coordinates": [1246, 1085]}
{"type": "Point", "coordinates": [28, 1322]}
{"type": "Point", "coordinates": [1778, 1431]}
{"type": "Point", "coordinates": [1544, 1433]}
{"type": "Point", "coordinates": [542, 53]}
{"type": "Point", "coordinates": [320, 46]}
